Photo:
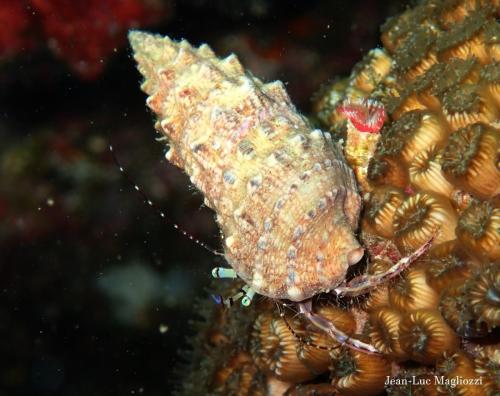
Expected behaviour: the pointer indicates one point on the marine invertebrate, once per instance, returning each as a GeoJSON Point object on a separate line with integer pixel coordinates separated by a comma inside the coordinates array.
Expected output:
{"type": "Point", "coordinates": [295, 352]}
{"type": "Point", "coordinates": [282, 191]}
{"type": "Point", "coordinates": [380, 296]}
{"type": "Point", "coordinates": [254, 123]}
{"type": "Point", "coordinates": [487, 365]}
{"type": "Point", "coordinates": [239, 376]}
{"type": "Point", "coordinates": [459, 375]}
{"type": "Point", "coordinates": [478, 229]}
{"type": "Point", "coordinates": [276, 350]}
{"type": "Point", "coordinates": [410, 134]}
{"type": "Point", "coordinates": [319, 358]}
{"type": "Point", "coordinates": [371, 70]}
{"type": "Point", "coordinates": [425, 172]}
{"type": "Point", "coordinates": [484, 295]}
{"type": "Point", "coordinates": [469, 159]}
{"type": "Point", "coordinates": [385, 170]}
{"type": "Point", "coordinates": [455, 307]}
{"type": "Point", "coordinates": [465, 105]}
{"type": "Point", "coordinates": [357, 373]}
{"type": "Point", "coordinates": [384, 331]}
{"type": "Point", "coordinates": [412, 292]}
{"type": "Point", "coordinates": [366, 115]}
{"type": "Point", "coordinates": [420, 216]}
{"type": "Point", "coordinates": [446, 272]}
{"type": "Point", "coordinates": [365, 118]}
{"type": "Point", "coordinates": [380, 210]}
{"type": "Point", "coordinates": [425, 336]}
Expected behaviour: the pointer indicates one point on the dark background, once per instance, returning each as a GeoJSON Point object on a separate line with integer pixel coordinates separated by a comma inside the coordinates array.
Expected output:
{"type": "Point", "coordinates": [96, 290]}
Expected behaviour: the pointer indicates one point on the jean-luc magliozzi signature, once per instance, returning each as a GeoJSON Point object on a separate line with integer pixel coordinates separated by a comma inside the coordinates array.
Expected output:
{"type": "Point", "coordinates": [434, 380]}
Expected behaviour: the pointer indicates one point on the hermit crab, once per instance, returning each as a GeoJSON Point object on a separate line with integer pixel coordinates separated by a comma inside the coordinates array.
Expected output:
{"type": "Point", "coordinates": [285, 199]}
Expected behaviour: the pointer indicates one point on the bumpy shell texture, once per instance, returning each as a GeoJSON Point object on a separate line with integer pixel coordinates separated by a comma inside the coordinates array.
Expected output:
{"type": "Point", "coordinates": [285, 199]}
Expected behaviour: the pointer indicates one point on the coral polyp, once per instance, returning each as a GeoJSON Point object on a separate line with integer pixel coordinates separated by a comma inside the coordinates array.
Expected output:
{"type": "Point", "coordinates": [478, 229]}
{"type": "Point", "coordinates": [484, 295]}
{"type": "Point", "coordinates": [422, 215]}
{"type": "Point", "coordinates": [384, 331]}
{"type": "Point", "coordinates": [470, 160]}
{"type": "Point", "coordinates": [459, 366]}
{"type": "Point", "coordinates": [356, 373]}
{"type": "Point", "coordinates": [381, 208]}
{"type": "Point", "coordinates": [425, 336]}
{"type": "Point", "coordinates": [276, 350]}
{"type": "Point", "coordinates": [426, 173]}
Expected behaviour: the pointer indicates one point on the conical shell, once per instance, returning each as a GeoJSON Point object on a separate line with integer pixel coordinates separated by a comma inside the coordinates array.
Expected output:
{"type": "Point", "coordinates": [285, 199]}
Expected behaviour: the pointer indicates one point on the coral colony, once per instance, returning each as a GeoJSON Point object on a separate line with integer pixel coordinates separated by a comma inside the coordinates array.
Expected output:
{"type": "Point", "coordinates": [401, 182]}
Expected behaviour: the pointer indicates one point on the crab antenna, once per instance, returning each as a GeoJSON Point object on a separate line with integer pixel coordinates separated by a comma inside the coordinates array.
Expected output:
{"type": "Point", "coordinates": [156, 208]}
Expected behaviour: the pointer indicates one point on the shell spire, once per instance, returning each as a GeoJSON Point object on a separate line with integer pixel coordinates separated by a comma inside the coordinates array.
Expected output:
{"type": "Point", "coordinates": [285, 199]}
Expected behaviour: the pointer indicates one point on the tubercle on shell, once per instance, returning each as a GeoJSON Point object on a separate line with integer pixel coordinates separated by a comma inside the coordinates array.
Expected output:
{"type": "Point", "coordinates": [285, 199]}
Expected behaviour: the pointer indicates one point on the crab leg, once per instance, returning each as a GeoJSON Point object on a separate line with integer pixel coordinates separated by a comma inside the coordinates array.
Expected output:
{"type": "Point", "coordinates": [305, 308]}
{"type": "Point", "coordinates": [364, 283]}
